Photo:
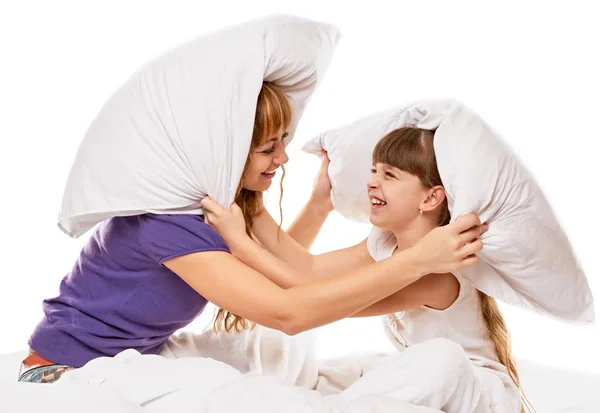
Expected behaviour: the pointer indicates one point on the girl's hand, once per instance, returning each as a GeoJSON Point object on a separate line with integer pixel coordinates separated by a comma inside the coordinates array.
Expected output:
{"type": "Point", "coordinates": [320, 196]}
{"type": "Point", "coordinates": [229, 223]}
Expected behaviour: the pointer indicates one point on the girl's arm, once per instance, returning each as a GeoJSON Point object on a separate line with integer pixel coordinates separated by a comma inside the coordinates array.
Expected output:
{"type": "Point", "coordinates": [235, 286]}
{"type": "Point", "coordinates": [306, 226]}
{"type": "Point", "coordinates": [244, 286]}
{"type": "Point", "coordinates": [293, 246]}
{"type": "Point", "coordinates": [308, 223]}
{"type": "Point", "coordinates": [284, 247]}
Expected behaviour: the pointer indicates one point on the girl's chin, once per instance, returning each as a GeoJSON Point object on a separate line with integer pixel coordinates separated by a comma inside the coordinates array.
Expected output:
{"type": "Point", "coordinates": [377, 221]}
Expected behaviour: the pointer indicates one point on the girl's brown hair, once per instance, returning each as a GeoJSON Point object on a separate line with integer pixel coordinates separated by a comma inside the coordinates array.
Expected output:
{"type": "Point", "coordinates": [411, 149]}
{"type": "Point", "coordinates": [273, 114]}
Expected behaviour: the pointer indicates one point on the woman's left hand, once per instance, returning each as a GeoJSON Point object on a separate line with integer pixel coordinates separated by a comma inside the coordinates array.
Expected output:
{"type": "Point", "coordinates": [320, 195]}
{"type": "Point", "coordinates": [228, 222]}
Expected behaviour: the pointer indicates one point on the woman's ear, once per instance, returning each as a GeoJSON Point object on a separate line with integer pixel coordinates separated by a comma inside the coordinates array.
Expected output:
{"type": "Point", "coordinates": [435, 197]}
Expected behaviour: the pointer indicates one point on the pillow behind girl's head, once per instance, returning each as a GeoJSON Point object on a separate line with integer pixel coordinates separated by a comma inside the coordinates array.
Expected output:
{"type": "Point", "coordinates": [527, 259]}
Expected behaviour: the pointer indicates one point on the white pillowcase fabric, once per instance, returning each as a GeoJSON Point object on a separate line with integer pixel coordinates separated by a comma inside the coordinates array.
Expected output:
{"type": "Point", "coordinates": [180, 127]}
{"type": "Point", "coordinates": [527, 260]}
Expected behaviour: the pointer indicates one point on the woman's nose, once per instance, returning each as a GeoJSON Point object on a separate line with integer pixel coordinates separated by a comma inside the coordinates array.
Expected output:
{"type": "Point", "coordinates": [282, 156]}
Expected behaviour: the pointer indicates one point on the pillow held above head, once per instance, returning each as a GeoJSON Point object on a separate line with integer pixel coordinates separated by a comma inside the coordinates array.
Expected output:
{"type": "Point", "coordinates": [180, 127]}
{"type": "Point", "coordinates": [527, 260]}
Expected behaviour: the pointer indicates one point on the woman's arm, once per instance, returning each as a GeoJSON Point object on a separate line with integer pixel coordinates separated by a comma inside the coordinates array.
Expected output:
{"type": "Point", "coordinates": [246, 291]}
{"type": "Point", "coordinates": [230, 224]}
{"type": "Point", "coordinates": [437, 291]}
{"type": "Point", "coordinates": [236, 287]}
{"type": "Point", "coordinates": [433, 290]}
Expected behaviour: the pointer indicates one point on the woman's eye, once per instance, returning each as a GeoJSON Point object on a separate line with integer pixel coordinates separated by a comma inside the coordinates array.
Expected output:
{"type": "Point", "coordinates": [269, 151]}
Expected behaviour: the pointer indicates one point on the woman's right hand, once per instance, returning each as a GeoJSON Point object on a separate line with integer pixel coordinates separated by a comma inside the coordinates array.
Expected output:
{"type": "Point", "coordinates": [451, 247]}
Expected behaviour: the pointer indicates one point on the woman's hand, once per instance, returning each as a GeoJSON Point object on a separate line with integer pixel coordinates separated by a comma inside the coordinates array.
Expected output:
{"type": "Point", "coordinates": [320, 196]}
{"type": "Point", "coordinates": [451, 247]}
{"type": "Point", "coordinates": [229, 223]}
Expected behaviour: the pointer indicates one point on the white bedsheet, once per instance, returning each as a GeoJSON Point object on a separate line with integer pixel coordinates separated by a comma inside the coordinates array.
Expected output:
{"type": "Point", "coordinates": [273, 364]}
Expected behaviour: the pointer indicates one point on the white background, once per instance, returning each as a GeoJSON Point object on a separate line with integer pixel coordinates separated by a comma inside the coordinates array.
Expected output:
{"type": "Point", "coordinates": [531, 70]}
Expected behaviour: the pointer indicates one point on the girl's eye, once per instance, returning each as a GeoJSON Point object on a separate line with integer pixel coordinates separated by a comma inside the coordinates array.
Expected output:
{"type": "Point", "coordinates": [373, 171]}
{"type": "Point", "coordinates": [390, 174]}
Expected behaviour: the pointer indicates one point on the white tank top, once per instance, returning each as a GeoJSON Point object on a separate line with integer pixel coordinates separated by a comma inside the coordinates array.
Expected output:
{"type": "Point", "coordinates": [461, 323]}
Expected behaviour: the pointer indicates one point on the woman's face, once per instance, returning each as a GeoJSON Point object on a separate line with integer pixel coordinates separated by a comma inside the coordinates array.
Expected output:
{"type": "Point", "coordinates": [396, 197]}
{"type": "Point", "coordinates": [264, 160]}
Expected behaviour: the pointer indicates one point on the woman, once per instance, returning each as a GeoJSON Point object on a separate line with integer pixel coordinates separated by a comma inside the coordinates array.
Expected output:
{"type": "Point", "coordinates": [451, 334]}
{"type": "Point", "coordinates": [141, 278]}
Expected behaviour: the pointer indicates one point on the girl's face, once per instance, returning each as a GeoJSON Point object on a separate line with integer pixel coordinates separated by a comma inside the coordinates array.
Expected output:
{"type": "Point", "coordinates": [396, 197]}
{"type": "Point", "coordinates": [263, 163]}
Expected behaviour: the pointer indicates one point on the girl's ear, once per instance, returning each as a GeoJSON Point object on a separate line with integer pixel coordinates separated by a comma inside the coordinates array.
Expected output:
{"type": "Point", "coordinates": [435, 197]}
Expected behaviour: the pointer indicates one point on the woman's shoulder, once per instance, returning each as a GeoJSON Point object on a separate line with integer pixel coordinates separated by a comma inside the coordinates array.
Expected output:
{"type": "Point", "coordinates": [165, 234]}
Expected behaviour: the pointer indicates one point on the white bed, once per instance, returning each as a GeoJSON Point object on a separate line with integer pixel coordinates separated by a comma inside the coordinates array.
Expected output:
{"type": "Point", "coordinates": [550, 390]}
{"type": "Point", "coordinates": [9, 366]}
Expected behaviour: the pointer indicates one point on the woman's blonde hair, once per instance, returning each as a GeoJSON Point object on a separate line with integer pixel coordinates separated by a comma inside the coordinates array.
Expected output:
{"type": "Point", "coordinates": [411, 149]}
{"type": "Point", "coordinates": [273, 114]}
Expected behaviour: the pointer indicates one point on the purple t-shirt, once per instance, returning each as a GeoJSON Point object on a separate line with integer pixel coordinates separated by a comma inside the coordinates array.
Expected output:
{"type": "Point", "coordinates": [119, 295]}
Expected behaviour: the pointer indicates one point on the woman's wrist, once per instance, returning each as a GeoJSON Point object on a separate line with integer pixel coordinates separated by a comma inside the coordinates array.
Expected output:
{"type": "Point", "coordinates": [413, 262]}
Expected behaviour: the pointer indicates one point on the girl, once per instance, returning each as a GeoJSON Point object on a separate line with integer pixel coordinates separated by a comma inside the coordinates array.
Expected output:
{"type": "Point", "coordinates": [141, 278]}
{"type": "Point", "coordinates": [451, 334]}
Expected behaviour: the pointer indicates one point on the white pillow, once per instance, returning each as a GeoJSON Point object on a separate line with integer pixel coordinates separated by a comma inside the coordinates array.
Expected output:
{"type": "Point", "coordinates": [180, 127]}
{"type": "Point", "coordinates": [350, 149]}
{"type": "Point", "coordinates": [527, 259]}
